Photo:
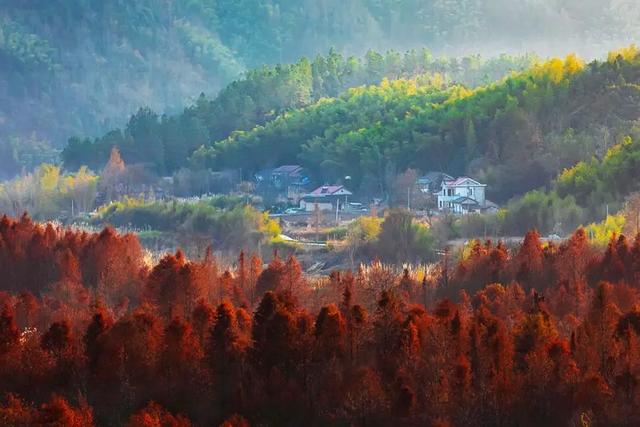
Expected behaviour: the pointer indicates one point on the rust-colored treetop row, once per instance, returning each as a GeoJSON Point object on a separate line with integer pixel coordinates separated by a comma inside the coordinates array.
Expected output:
{"type": "Point", "coordinates": [91, 334]}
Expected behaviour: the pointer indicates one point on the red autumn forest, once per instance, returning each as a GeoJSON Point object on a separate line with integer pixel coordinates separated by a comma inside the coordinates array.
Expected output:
{"type": "Point", "coordinates": [91, 334]}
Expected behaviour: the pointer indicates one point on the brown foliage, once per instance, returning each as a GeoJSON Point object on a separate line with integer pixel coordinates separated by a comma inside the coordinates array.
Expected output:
{"type": "Point", "coordinates": [153, 415]}
{"type": "Point", "coordinates": [546, 336]}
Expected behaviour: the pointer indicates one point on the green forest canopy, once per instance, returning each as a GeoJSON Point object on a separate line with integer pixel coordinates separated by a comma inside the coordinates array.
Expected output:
{"type": "Point", "coordinates": [516, 135]}
{"type": "Point", "coordinates": [83, 66]}
{"type": "Point", "coordinates": [166, 142]}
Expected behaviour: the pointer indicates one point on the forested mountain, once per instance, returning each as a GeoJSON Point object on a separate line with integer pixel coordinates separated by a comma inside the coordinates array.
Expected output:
{"type": "Point", "coordinates": [586, 192]}
{"type": "Point", "coordinates": [81, 67]}
{"type": "Point", "coordinates": [428, 114]}
{"type": "Point", "coordinates": [265, 93]}
{"type": "Point", "coordinates": [516, 135]}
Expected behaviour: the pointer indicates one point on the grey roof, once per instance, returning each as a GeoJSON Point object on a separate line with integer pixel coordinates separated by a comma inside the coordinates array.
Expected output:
{"type": "Point", "coordinates": [287, 169]}
{"type": "Point", "coordinates": [434, 177]}
{"type": "Point", "coordinates": [464, 201]}
{"type": "Point", "coordinates": [488, 204]}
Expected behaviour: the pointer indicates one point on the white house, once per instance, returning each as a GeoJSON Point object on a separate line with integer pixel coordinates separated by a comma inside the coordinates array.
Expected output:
{"type": "Point", "coordinates": [462, 195]}
{"type": "Point", "coordinates": [326, 198]}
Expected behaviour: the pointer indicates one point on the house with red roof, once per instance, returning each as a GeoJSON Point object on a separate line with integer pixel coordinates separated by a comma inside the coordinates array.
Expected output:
{"type": "Point", "coordinates": [326, 198]}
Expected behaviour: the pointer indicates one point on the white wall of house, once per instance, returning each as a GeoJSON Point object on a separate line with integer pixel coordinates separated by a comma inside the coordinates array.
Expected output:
{"type": "Point", "coordinates": [474, 192]}
{"type": "Point", "coordinates": [469, 188]}
{"type": "Point", "coordinates": [311, 206]}
{"type": "Point", "coordinates": [454, 207]}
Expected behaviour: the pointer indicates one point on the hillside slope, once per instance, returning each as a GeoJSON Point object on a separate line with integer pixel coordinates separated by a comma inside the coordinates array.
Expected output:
{"type": "Point", "coordinates": [82, 67]}
{"type": "Point", "coordinates": [515, 135]}
{"type": "Point", "coordinates": [265, 93]}
{"type": "Point", "coordinates": [77, 66]}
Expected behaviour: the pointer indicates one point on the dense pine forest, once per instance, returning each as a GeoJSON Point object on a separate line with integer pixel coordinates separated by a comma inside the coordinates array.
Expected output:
{"type": "Point", "coordinates": [80, 67]}
{"type": "Point", "coordinates": [267, 93]}
{"type": "Point", "coordinates": [93, 333]}
{"type": "Point", "coordinates": [333, 117]}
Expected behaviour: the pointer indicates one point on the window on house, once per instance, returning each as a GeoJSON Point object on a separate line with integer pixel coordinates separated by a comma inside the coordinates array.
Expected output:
{"type": "Point", "coordinates": [450, 192]}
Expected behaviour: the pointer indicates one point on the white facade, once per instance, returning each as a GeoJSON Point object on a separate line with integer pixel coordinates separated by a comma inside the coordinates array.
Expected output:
{"type": "Point", "coordinates": [461, 195]}
{"type": "Point", "coordinates": [310, 206]}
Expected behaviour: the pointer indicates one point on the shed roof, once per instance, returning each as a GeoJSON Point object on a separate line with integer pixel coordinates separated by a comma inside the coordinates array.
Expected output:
{"type": "Point", "coordinates": [330, 190]}
{"type": "Point", "coordinates": [434, 177]}
{"type": "Point", "coordinates": [288, 169]}
{"type": "Point", "coordinates": [464, 201]}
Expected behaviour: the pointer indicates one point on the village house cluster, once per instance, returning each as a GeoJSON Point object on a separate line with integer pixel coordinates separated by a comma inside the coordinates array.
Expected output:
{"type": "Point", "coordinates": [292, 186]}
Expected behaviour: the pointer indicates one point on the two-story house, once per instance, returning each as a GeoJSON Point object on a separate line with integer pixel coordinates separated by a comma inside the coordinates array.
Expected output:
{"type": "Point", "coordinates": [462, 195]}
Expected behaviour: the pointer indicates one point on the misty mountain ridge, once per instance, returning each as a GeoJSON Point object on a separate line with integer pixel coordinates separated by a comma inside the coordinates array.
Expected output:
{"type": "Point", "coordinates": [81, 68]}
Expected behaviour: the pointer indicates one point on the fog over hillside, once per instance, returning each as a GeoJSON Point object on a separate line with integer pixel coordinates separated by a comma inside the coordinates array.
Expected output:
{"type": "Point", "coordinates": [82, 67]}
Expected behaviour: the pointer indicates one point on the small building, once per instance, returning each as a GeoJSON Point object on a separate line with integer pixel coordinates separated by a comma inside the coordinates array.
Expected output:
{"type": "Point", "coordinates": [463, 205]}
{"type": "Point", "coordinates": [464, 195]}
{"type": "Point", "coordinates": [326, 198]}
{"type": "Point", "coordinates": [285, 183]}
{"type": "Point", "coordinates": [431, 182]}
{"type": "Point", "coordinates": [293, 180]}
{"type": "Point", "coordinates": [490, 207]}
{"type": "Point", "coordinates": [285, 174]}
